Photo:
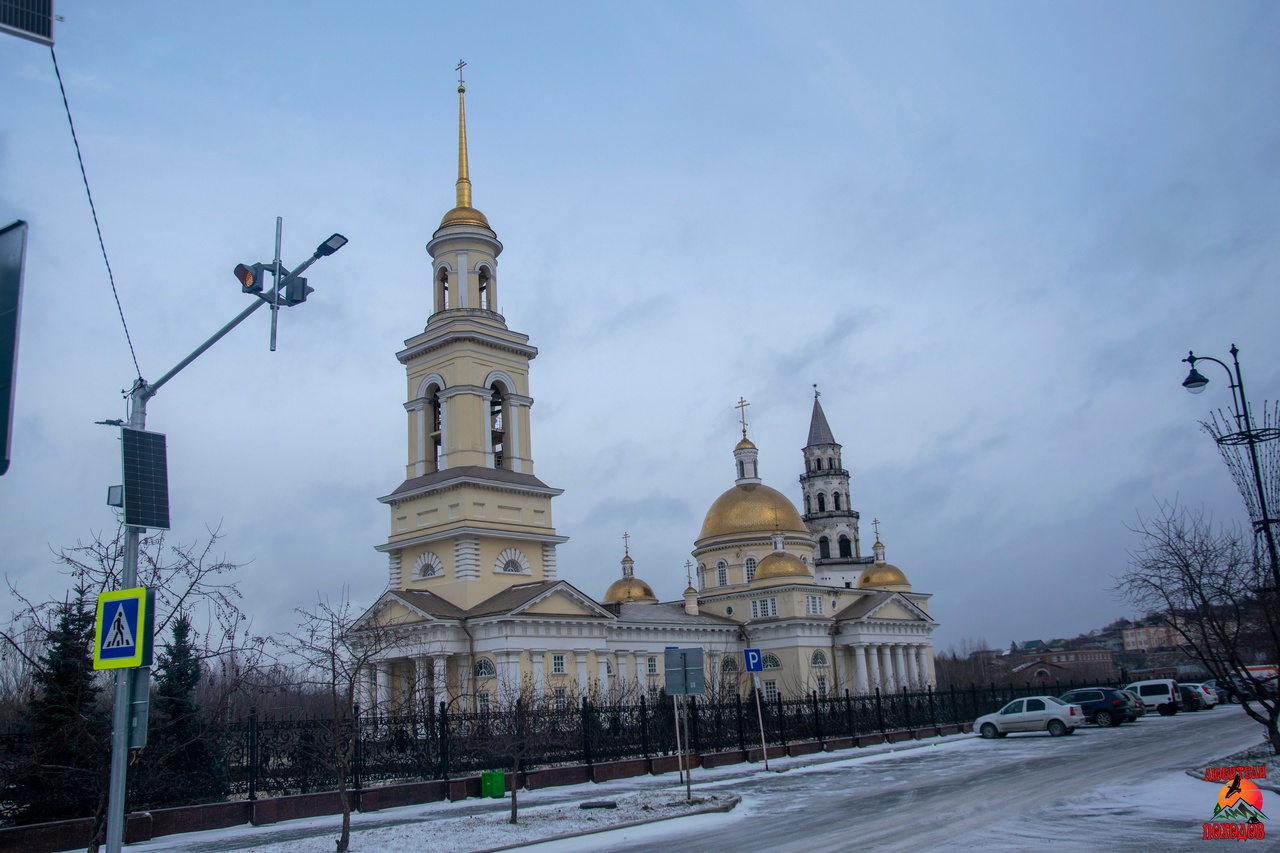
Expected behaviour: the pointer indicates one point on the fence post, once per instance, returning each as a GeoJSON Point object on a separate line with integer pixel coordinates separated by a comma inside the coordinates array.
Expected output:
{"type": "Point", "coordinates": [357, 752]}
{"type": "Point", "coordinates": [644, 727]}
{"type": "Point", "coordinates": [782, 729]}
{"type": "Point", "coordinates": [848, 712]}
{"type": "Point", "coordinates": [742, 737]}
{"type": "Point", "coordinates": [253, 754]}
{"type": "Point", "coordinates": [693, 741]}
{"type": "Point", "coordinates": [933, 714]}
{"type": "Point", "coordinates": [817, 716]}
{"type": "Point", "coordinates": [584, 720]}
{"type": "Point", "coordinates": [879, 710]}
{"type": "Point", "coordinates": [906, 707]}
{"type": "Point", "coordinates": [444, 741]}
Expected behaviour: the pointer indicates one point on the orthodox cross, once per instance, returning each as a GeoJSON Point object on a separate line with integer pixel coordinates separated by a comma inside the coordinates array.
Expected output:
{"type": "Point", "coordinates": [626, 543]}
{"type": "Point", "coordinates": [688, 571]}
{"type": "Point", "coordinates": [742, 414]}
{"type": "Point", "coordinates": [461, 65]}
{"type": "Point", "coordinates": [875, 522]}
{"type": "Point", "coordinates": [816, 392]}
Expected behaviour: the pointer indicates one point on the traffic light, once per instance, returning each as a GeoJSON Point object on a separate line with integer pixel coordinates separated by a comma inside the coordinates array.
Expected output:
{"type": "Point", "coordinates": [296, 290]}
{"type": "Point", "coordinates": [251, 277]}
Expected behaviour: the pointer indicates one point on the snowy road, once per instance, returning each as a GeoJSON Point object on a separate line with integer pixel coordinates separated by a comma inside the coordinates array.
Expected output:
{"type": "Point", "coordinates": [1112, 788]}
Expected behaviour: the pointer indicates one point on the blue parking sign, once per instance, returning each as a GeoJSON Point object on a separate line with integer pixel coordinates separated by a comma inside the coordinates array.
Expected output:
{"type": "Point", "coordinates": [753, 659]}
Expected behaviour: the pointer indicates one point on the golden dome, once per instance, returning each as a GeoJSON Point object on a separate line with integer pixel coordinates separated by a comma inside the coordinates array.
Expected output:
{"type": "Point", "coordinates": [882, 575]}
{"type": "Point", "coordinates": [751, 508]}
{"type": "Point", "coordinates": [780, 564]}
{"type": "Point", "coordinates": [464, 216]}
{"type": "Point", "coordinates": [630, 589]}
{"type": "Point", "coordinates": [745, 444]}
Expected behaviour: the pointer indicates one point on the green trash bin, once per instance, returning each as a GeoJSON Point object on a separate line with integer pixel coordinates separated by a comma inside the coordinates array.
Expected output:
{"type": "Point", "coordinates": [493, 783]}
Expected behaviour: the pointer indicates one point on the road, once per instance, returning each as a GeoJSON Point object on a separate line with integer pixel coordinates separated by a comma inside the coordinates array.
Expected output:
{"type": "Point", "coordinates": [1120, 788]}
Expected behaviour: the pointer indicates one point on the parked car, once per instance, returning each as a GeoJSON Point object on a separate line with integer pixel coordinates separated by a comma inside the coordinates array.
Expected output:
{"type": "Point", "coordinates": [1158, 694]}
{"type": "Point", "coordinates": [1222, 692]}
{"type": "Point", "coordinates": [1032, 714]}
{"type": "Point", "coordinates": [1190, 698]}
{"type": "Point", "coordinates": [1102, 706]}
{"type": "Point", "coordinates": [1139, 709]}
{"type": "Point", "coordinates": [1207, 693]}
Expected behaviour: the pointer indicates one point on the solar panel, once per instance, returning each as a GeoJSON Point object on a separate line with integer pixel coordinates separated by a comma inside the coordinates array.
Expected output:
{"type": "Point", "coordinates": [146, 479]}
{"type": "Point", "coordinates": [28, 19]}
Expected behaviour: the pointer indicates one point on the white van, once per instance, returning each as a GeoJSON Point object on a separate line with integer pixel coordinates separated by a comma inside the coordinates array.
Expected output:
{"type": "Point", "coordinates": [1159, 695]}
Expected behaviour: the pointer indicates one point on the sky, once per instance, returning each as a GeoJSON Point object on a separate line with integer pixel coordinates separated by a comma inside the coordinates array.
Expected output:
{"type": "Point", "coordinates": [987, 232]}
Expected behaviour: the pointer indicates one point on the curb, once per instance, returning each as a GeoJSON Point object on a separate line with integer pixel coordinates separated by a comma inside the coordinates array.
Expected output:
{"type": "Point", "coordinates": [734, 800]}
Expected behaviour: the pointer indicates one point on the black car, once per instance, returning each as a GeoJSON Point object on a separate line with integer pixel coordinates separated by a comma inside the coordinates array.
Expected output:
{"type": "Point", "coordinates": [1189, 698]}
{"type": "Point", "coordinates": [1103, 706]}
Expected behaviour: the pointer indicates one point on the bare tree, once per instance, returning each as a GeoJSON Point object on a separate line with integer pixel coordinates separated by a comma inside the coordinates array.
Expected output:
{"type": "Point", "coordinates": [332, 647]}
{"type": "Point", "coordinates": [1211, 586]}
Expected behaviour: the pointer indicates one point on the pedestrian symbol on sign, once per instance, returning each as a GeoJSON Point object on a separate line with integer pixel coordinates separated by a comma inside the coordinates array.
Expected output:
{"type": "Point", "coordinates": [118, 635]}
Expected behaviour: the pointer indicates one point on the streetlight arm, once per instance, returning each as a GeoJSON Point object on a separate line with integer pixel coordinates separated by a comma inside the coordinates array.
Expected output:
{"type": "Point", "coordinates": [1237, 388]}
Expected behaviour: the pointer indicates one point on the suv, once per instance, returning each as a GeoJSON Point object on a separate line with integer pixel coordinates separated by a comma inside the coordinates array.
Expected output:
{"type": "Point", "coordinates": [1103, 706]}
{"type": "Point", "coordinates": [1160, 694]}
{"type": "Point", "coordinates": [1192, 698]}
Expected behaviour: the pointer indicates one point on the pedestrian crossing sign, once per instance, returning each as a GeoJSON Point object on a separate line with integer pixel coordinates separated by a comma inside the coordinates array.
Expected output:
{"type": "Point", "coordinates": [125, 626]}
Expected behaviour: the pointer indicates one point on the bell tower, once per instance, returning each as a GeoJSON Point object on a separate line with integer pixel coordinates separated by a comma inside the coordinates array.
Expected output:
{"type": "Point", "coordinates": [827, 511]}
{"type": "Point", "coordinates": [470, 518]}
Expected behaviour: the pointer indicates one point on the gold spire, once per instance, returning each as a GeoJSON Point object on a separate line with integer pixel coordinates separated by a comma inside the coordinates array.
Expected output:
{"type": "Point", "coordinates": [464, 213]}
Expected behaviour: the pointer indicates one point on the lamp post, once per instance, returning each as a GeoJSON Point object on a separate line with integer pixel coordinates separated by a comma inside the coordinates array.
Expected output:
{"type": "Point", "coordinates": [1247, 435]}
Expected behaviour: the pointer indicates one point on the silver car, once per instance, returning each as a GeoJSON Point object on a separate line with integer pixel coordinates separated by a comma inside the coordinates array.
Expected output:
{"type": "Point", "coordinates": [1031, 714]}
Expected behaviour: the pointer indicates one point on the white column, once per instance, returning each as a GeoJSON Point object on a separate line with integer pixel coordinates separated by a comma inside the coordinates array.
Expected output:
{"type": "Point", "coordinates": [899, 667]}
{"type": "Point", "coordinates": [860, 669]}
{"type": "Point", "coordinates": [513, 435]}
{"type": "Point", "coordinates": [508, 674]}
{"type": "Point", "coordinates": [439, 680]}
{"type": "Point", "coordinates": [622, 669]}
{"type": "Point", "coordinates": [464, 280]}
{"type": "Point", "coordinates": [420, 415]}
{"type": "Point", "coordinates": [913, 674]}
{"type": "Point", "coordinates": [384, 687]}
{"type": "Point", "coordinates": [886, 668]}
{"type": "Point", "coordinates": [602, 674]}
{"type": "Point", "coordinates": [581, 659]}
{"type": "Point", "coordinates": [537, 674]}
{"type": "Point", "coordinates": [926, 665]}
{"type": "Point", "coordinates": [421, 684]}
{"type": "Point", "coordinates": [873, 658]}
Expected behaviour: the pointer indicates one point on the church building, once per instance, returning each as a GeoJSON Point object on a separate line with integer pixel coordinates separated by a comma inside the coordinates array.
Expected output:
{"type": "Point", "coordinates": [473, 599]}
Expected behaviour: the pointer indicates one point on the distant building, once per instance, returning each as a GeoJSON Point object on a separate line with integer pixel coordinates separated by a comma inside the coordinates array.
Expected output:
{"type": "Point", "coordinates": [1150, 637]}
{"type": "Point", "coordinates": [1065, 664]}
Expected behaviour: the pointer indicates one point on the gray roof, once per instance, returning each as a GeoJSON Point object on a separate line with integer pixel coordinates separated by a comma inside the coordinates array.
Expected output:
{"type": "Point", "coordinates": [429, 602]}
{"type": "Point", "coordinates": [513, 597]}
{"type": "Point", "coordinates": [861, 608]}
{"type": "Point", "coordinates": [499, 477]}
{"type": "Point", "coordinates": [819, 430]}
{"type": "Point", "coordinates": [670, 612]}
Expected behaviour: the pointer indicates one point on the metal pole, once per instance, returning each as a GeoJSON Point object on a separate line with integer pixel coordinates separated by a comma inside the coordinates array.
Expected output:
{"type": "Point", "coordinates": [275, 297]}
{"type": "Point", "coordinates": [688, 773]}
{"type": "Point", "coordinates": [764, 747]}
{"type": "Point", "coordinates": [1267, 520]}
{"type": "Point", "coordinates": [124, 677]}
{"type": "Point", "coordinates": [675, 716]}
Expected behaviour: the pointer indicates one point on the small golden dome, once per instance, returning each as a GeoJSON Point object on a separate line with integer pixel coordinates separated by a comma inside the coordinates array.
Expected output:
{"type": "Point", "coordinates": [464, 216]}
{"type": "Point", "coordinates": [630, 589]}
{"type": "Point", "coordinates": [745, 444]}
{"type": "Point", "coordinates": [780, 564]}
{"type": "Point", "coordinates": [751, 508]}
{"type": "Point", "coordinates": [883, 575]}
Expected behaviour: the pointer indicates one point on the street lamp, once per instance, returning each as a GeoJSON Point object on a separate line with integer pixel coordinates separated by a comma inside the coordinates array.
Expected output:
{"type": "Point", "coordinates": [1245, 434]}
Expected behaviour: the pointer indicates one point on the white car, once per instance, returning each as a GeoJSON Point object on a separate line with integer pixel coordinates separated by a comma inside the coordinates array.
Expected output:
{"type": "Point", "coordinates": [1031, 714]}
{"type": "Point", "coordinates": [1208, 694]}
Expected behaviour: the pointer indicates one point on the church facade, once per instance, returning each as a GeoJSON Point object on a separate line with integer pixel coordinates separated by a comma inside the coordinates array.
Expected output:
{"type": "Point", "coordinates": [473, 599]}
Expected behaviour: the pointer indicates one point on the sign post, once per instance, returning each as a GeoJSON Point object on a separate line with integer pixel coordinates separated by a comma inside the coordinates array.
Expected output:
{"type": "Point", "coordinates": [755, 663]}
{"type": "Point", "coordinates": [684, 677]}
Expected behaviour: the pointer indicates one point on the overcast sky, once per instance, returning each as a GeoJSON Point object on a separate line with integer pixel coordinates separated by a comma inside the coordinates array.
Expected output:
{"type": "Point", "coordinates": [987, 231]}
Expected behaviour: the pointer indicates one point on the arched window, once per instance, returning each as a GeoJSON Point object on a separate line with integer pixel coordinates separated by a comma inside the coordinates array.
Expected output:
{"type": "Point", "coordinates": [729, 663]}
{"type": "Point", "coordinates": [498, 424]}
{"type": "Point", "coordinates": [807, 509]}
{"type": "Point", "coordinates": [817, 464]}
{"type": "Point", "coordinates": [749, 567]}
{"type": "Point", "coordinates": [741, 469]}
{"type": "Point", "coordinates": [770, 661]}
{"type": "Point", "coordinates": [846, 547]}
{"type": "Point", "coordinates": [824, 548]}
{"type": "Point", "coordinates": [835, 501]}
{"type": "Point", "coordinates": [432, 413]}
{"type": "Point", "coordinates": [442, 289]}
{"type": "Point", "coordinates": [484, 668]}
{"type": "Point", "coordinates": [831, 465]}
{"type": "Point", "coordinates": [512, 562]}
{"type": "Point", "coordinates": [485, 280]}
{"type": "Point", "coordinates": [722, 573]}
{"type": "Point", "coordinates": [819, 658]}
{"type": "Point", "coordinates": [822, 502]}
{"type": "Point", "coordinates": [427, 565]}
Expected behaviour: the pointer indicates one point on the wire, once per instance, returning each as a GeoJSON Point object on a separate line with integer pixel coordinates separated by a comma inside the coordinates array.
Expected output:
{"type": "Point", "coordinates": [94, 210]}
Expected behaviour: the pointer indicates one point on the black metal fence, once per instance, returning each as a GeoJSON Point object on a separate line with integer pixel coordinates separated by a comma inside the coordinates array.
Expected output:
{"type": "Point", "coordinates": [274, 757]}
